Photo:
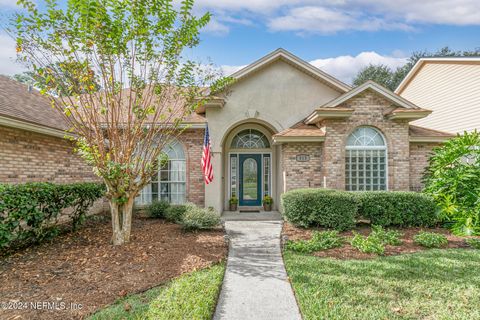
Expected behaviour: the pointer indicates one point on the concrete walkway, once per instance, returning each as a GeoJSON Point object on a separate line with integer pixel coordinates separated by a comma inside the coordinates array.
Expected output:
{"type": "Point", "coordinates": [255, 284]}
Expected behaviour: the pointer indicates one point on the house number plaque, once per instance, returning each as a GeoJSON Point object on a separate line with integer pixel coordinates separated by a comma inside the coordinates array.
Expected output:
{"type": "Point", "coordinates": [303, 157]}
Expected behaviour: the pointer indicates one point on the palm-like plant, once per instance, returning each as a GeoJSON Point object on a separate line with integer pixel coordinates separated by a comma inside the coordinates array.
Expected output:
{"type": "Point", "coordinates": [453, 180]}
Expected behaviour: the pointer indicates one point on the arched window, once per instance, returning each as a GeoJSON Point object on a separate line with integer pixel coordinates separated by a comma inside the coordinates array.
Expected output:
{"type": "Point", "coordinates": [250, 139]}
{"type": "Point", "coordinates": [169, 183]}
{"type": "Point", "coordinates": [366, 160]}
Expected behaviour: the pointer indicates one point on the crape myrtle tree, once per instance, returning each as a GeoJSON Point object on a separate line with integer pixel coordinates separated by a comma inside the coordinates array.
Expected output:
{"type": "Point", "coordinates": [116, 70]}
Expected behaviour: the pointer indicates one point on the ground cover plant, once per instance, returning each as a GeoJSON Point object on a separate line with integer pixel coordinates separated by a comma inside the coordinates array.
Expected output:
{"type": "Point", "coordinates": [473, 242]}
{"type": "Point", "coordinates": [320, 241]}
{"type": "Point", "coordinates": [191, 296]}
{"type": "Point", "coordinates": [84, 267]}
{"type": "Point", "coordinates": [431, 284]}
{"type": "Point", "coordinates": [430, 239]}
{"type": "Point", "coordinates": [368, 244]}
{"type": "Point", "coordinates": [376, 241]}
{"type": "Point", "coordinates": [401, 240]}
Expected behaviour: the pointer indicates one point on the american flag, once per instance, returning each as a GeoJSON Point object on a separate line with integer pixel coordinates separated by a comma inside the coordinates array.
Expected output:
{"type": "Point", "coordinates": [206, 158]}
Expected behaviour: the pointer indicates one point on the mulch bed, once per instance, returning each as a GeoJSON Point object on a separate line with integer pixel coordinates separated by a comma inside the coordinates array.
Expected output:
{"type": "Point", "coordinates": [348, 252]}
{"type": "Point", "coordinates": [84, 268]}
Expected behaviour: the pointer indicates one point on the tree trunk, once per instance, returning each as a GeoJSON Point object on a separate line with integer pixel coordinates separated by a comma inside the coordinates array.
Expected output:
{"type": "Point", "coordinates": [121, 220]}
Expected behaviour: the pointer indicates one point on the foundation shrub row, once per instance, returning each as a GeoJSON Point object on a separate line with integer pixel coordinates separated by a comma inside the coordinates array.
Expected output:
{"type": "Point", "coordinates": [341, 209]}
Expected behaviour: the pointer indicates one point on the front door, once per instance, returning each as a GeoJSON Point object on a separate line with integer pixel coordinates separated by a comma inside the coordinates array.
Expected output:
{"type": "Point", "coordinates": [250, 179]}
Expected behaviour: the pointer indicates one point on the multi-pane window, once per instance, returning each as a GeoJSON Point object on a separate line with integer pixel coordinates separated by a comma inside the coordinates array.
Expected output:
{"type": "Point", "coordinates": [266, 175]}
{"type": "Point", "coordinates": [366, 160]}
{"type": "Point", "coordinates": [169, 183]}
{"type": "Point", "coordinates": [250, 139]}
{"type": "Point", "coordinates": [233, 175]}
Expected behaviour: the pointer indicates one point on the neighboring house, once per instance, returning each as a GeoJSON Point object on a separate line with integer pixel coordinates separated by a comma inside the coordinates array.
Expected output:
{"type": "Point", "coordinates": [450, 87]}
{"type": "Point", "coordinates": [285, 124]}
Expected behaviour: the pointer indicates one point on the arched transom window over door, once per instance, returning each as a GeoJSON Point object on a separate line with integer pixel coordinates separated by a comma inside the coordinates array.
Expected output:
{"type": "Point", "coordinates": [366, 160]}
{"type": "Point", "coordinates": [250, 139]}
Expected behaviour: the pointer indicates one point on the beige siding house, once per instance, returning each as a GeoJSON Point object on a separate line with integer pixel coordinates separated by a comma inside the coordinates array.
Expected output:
{"type": "Point", "coordinates": [450, 87]}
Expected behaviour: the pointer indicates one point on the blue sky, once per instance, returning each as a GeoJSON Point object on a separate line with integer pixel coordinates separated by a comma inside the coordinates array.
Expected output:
{"type": "Point", "coordinates": [338, 36]}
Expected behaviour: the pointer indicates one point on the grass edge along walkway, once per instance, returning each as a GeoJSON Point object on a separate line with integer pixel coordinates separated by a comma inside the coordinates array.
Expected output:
{"type": "Point", "coordinates": [191, 296]}
{"type": "Point", "coordinates": [433, 284]}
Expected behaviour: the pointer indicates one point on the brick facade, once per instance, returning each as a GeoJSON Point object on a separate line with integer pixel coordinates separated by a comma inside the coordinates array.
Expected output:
{"type": "Point", "coordinates": [369, 109]}
{"type": "Point", "coordinates": [192, 141]}
{"type": "Point", "coordinates": [419, 155]}
{"type": "Point", "coordinates": [32, 157]}
{"type": "Point", "coordinates": [306, 174]}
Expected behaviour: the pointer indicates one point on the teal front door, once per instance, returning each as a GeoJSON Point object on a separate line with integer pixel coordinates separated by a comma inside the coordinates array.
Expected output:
{"type": "Point", "coordinates": [250, 179]}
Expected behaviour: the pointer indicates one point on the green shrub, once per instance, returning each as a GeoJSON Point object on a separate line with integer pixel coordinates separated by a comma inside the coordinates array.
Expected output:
{"type": "Point", "coordinates": [453, 179]}
{"type": "Point", "coordinates": [175, 213]}
{"type": "Point", "coordinates": [320, 207]}
{"type": "Point", "coordinates": [196, 218]}
{"type": "Point", "coordinates": [398, 208]}
{"type": "Point", "coordinates": [157, 209]}
{"type": "Point", "coordinates": [370, 244]}
{"type": "Point", "coordinates": [430, 239]}
{"type": "Point", "coordinates": [28, 212]}
{"type": "Point", "coordinates": [473, 242]}
{"type": "Point", "coordinates": [390, 237]}
{"type": "Point", "coordinates": [320, 241]}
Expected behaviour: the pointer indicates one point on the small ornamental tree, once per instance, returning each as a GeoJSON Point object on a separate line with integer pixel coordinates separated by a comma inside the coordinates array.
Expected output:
{"type": "Point", "coordinates": [116, 70]}
{"type": "Point", "coordinates": [452, 178]}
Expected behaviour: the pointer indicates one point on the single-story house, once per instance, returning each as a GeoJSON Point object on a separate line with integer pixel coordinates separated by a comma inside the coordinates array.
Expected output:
{"type": "Point", "coordinates": [282, 125]}
{"type": "Point", "coordinates": [450, 87]}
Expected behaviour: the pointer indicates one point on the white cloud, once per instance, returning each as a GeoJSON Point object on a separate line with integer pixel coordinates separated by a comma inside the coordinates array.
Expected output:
{"type": "Point", "coordinates": [346, 67]}
{"type": "Point", "coordinates": [228, 70]}
{"type": "Point", "coordinates": [325, 21]}
{"type": "Point", "coordinates": [8, 66]}
{"type": "Point", "coordinates": [330, 16]}
{"type": "Point", "coordinates": [451, 12]}
{"type": "Point", "coordinates": [216, 27]}
{"type": "Point", "coordinates": [8, 3]}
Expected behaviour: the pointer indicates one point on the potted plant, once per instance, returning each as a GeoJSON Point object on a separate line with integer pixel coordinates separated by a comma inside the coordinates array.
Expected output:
{"type": "Point", "coordinates": [233, 203]}
{"type": "Point", "coordinates": [267, 203]}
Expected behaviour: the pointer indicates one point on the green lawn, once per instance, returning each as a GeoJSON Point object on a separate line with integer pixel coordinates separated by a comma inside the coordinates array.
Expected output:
{"type": "Point", "coordinates": [192, 296]}
{"type": "Point", "coordinates": [433, 284]}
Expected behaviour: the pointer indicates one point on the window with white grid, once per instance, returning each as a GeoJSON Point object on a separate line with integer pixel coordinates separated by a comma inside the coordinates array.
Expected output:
{"type": "Point", "coordinates": [169, 183]}
{"type": "Point", "coordinates": [366, 160]}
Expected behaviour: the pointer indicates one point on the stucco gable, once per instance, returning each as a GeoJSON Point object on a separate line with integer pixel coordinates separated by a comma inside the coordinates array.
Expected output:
{"type": "Point", "coordinates": [287, 57]}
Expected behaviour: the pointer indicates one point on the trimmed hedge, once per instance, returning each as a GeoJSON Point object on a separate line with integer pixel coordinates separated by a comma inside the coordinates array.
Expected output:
{"type": "Point", "coordinates": [320, 208]}
{"type": "Point", "coordinates": [398, 208]}
{"type": "Point", "coordinates": [28, 212]}
{"type": "Point", "coordinates": [340, 209]}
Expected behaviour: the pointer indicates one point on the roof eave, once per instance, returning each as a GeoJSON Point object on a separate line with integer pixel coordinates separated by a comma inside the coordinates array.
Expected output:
{"type": "Point", "coordinates": [319, 115]}
{"type": "Point", "coordinates": [280, 139]}
{"type": "Point", "coordinates": [216, 103]}
{"type": "Point", "coordinates": [28, 126]}
{"type": "Point", "coordinates": [410, 115]}
{"type": "Point", "coordinates": [429, 139]}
